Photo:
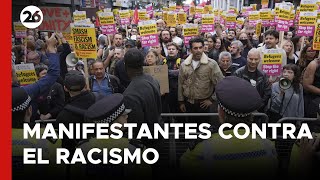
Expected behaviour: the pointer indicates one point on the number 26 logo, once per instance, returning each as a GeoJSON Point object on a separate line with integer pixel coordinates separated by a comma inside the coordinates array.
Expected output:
{"type": "Point", "coordinates": [31, 17]}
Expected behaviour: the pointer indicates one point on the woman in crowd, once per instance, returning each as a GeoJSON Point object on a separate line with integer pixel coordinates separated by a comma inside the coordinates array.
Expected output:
{"type": "Point", "coordinates": [307, 55]}
{"type": "Point", "coordinates": [297, 40]}
{"type": "Point", "coordinates": [225, 64]}
{"type": "Point", "coordinates": [288, 47]}
{"type": "Point", "coordinates": [152, 58]}
{"type": "Point", "coordinates": [287, 102]}
{"type": "Point", "coordinates": [218, 47]}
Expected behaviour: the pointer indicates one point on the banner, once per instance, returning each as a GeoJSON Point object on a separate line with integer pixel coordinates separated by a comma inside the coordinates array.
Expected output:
{"type": "Point", "coordinates": [160, 73]}
{"type": "Point", "coordinates": [55, 19]}
{"type": "Point", "coordinates": [307, 23]}
{"type": "Point", "coordinates": [308, 5]}
{"type": "Point", "coordinates": [316, 37]}
{"type": "Point", "coordinates": [189, 31]}
{"type": "Point", "coordinates": [20, 30]}
{"type": "Point", "coordinates": [124, 17]}
{"type": "Point", "coordinates": [79, 15]}
{"type": "Point", "coordinates": [272, 62]}
{"type": "Point", "coordinates": [182, 18]}
{"type": "Point", "coordinates": [207, 23]}
{"type": "Point", "coordinates": [107, 23]}
{"type": "Point", "coordinates": [26, 73]}
{"type": "Point", "coordinates": [231, 21]}
{"type": "Point", "coordinates": [84, 38]}
{"type": "Point", "coordinates": [172, 19]}
{"type": "Point", "coordinates": [282, 25]}
{"type": "Point", "coordinates": [148, 33]}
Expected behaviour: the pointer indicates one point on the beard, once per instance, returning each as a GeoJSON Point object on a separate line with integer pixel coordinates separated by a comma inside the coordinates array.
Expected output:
{"type": "Point", "coordinates": [166, 40]}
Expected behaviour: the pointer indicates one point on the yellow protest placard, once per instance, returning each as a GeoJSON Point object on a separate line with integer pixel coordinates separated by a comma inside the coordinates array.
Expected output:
{"type": "Point", "coordinates": [216, 12]}
{"type": "Point", "coordinates": [199, 10]}
{"type": "Point", "coordinates": [265, 15]}
{"type": "Point", "coordinates": [68, 37]}
{"type": "Point", "coordinates": [208, 19]}
{"type": "Point", "coordinates": [318, 15]}
{"type": "Point", "coordinates": [277, 8]}
{"type": "Point", "coordinates": [124, 14]}
{"type": "Point", "coordinates": [254, 6]}
{"type": "Point", "coordinates": [182, 18]}
{"type": "Point", "coordinates": [172, 20]}
{"type": "Point", "coordinates": [284, 12]}
{"type": "Point", "coordinates": [79, 15]}
{"type": "Point", "coordinates": [272, 59]}
{"type": "Point", "coordinates": [240, 21]}
{"type": "Point", "coordinates": [165, 15]}
{"type": "Point", "coordinates": [172, 6]}
{"type": "Point", "coordinates": [26, 73]}
{"type": "Point", "coordinates": [254, 15]}
{"type": "Point", "coordinates": [192, 10]}
{"type": "Point", "coordinates": [106, 18]}
{"type": "Point", "coordinates": [264, 3]}
{"type": "Point", "coordinates": [190, 31]}
{"type": "Point", "coordinates": [307, 20]}
{"type": "Point", "coordinates": [85, 43]}
{"type": "Point", "coordinates": [316, 37]}
{"type": "Point", "coordinates": [115, 11]}
{"type": "Point", "coordinates": [308, 7]}
{"type": "Point", "coordinates": [165, 9]}
{"type": "Point", "coordinates": [258, 28]}
{"type": "Point", "coordinates": [231, 19]}
{"type": "Point", "coordinates": [142, 14]}
{"type": "Point", "coordinates": [147, 29]}
{"type": "Point", "coordinates": [20, 30]}
{"type": "Point", "coordinates": [131, 13]}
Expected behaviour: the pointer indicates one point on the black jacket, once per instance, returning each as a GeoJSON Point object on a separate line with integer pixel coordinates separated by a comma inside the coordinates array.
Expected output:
{"type": "Point", "coordinates": [114, 82]}
{"type": "Point", "coordinates": [63, 56]}
{"type": "Point", "coordinates": [143, 97]}
{"type": "Point", "coordinates": [121, 73]}
{"type": "Point", "coordinates": [262, 84]}
{"type": "Point", "coordinates": [82, 101]}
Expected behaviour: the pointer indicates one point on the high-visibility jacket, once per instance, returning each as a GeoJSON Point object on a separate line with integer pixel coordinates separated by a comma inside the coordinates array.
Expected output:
{"type": "Point", "coordinates": [21, 170]}
{"type": "Point", "coordinates": [218, 156]}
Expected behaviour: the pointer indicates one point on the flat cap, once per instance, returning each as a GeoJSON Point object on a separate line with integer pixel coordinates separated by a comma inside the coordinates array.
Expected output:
{"type": "Point", "coordinates": [74, 80]}
{"type": "Point", "coordinates": [237, 97]}
{"type": "Point", "coordinates": [107, 109]}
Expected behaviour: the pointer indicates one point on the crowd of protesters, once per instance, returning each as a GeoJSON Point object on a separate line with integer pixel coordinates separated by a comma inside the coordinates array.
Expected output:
{"type": "Point", "coordinates": [194, 70]}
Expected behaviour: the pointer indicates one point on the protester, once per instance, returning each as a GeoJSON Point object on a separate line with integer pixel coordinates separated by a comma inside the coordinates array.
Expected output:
{"type": "Point", "coordinates": [152, 58]}
{"type": "Point", "coordinates": [225, 64]}
{"type": "Point", "coordinates": [287, 45]}
{"type": "Point", "coordinates": [243, 37]}
{"type": "Point", "coordinates": [236, 48]}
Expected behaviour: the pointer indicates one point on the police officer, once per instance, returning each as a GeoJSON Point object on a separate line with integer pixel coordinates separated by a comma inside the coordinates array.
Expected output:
{"type": "Point", "coordinates": [21, 113]}
{"type": "Point", "coordinates": [110, 109]}
{"type": "Point", "coordinates": [237, 99]}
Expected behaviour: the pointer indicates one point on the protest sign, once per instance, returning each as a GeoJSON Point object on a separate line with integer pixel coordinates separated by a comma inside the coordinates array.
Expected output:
{"type": "Point", "coordinates": [142, 14]}
{"type": "Point", "coordinates": [172, 19]}
{"type": "Point", "coordinates": [79, 15]}
{"type": "Point", "coordinates": [316, 36]}
{"type": "Point", "coordinates": [307, 23]}
{"type": "Point", "coordinates": [199, 10]}
{"type": "Point", "coordinates": [20, 30]}
{"type": "Point", "coordinates": [282, 25]}
{"type": "Point", "coordinates": [26, 73]}
{"type": "Point", "coordinates": [186, 8]}
{"type": "Point", "coordinates": [107, 21]}
{"type": "Point", "coordinates": [160, 73]}
{"type": "Point", "coordinates": [264, 4]}
{"type": "Point", "coordinates": [55, 19]}
{"type": "Point", "coordinates": [84, 37]}
{"type": "Point", "coordinates": [208, 9]}
{"type": "Point", "coordinates": [231, 21]}
{"type": "Point", "coordinates": [272, 62]}
{"type": "Point", "coordinates": [254, 16]}
{"type": "Point", "coordinates": [192, 10]}
{"type": "Point", "coordinates": [68, 37]}
{"type": "Point", "coordinates": [88, 3]}
{"type": "Point", "coordinates": [182, 18]}
{"type": "Point", "coordinates": [284, 12]}
{"type": "Point", "coordinates": [149, 9]}
{"type": "Point", "coordinates": [207, 23]}
{"type": "Point", "coordinates": [189, 31]}
{"type": "Point", "coordinates": [165, 16]}
{"type": "Point", "coordinates": [172, 6]}
{"type": "Point", "coordinates": [148, 33]}
{"type": "Point", "coordinates": [258, 28]}
{"type": "Point", "coordinates": [265, 14]}
{"type": "Point", "coordinates": [124, 17]}
{"type": "Point", "coordinates": [308, 5]}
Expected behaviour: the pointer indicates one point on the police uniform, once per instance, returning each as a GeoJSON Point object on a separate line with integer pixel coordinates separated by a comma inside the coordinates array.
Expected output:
{"type": "Point", "coordinates": [233, 157]}
{"type": "Point", "coordinates": [107, 110]}
{"type": "Point", "coordinates": [20, 103]}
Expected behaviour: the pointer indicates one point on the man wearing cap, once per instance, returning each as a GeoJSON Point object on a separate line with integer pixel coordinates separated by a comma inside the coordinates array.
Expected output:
{"type": "Point", "coordinates": [237, 99]}
{"type": "Point", "coordinates": [198, 76]}
{"type": "Point", "coordinates": [21, 114]}
{"type": "Point", "coordinates": [74, 84]}
{"type": "Point", "coordinates": [110, 109]}
{"type": "Point", "coordinates": [256, 77]}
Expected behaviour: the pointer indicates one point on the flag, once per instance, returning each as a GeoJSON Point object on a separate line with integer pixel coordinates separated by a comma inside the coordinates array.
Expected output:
{"type": "Point", "coordinates": [135, 16]}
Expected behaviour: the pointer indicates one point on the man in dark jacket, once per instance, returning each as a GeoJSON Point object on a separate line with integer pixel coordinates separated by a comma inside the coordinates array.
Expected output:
{"type": "Point", "coordinates": [63, 50]}
{"type": "Point", "coordinates": [256, 77]}
{"type": "Point", "coordinates": [143, 97]}
{"type": "Point", "coordinates": [74, 84]}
